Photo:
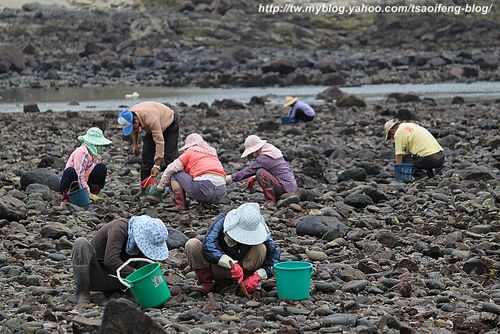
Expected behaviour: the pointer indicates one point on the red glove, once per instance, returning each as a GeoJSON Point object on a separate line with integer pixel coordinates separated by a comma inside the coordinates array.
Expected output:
{"type": "Point", "coordinates": [237, 273]}
{"type": "Point", "coordinates": [252, 282]}
{"type": "Point", "coordinates": [250, 182]}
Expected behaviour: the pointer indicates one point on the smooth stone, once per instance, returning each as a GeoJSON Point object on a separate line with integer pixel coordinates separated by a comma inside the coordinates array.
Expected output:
{"type": "Point", "coordinates": [492, 308]}
{"type": "Point", "coordinates": [481, 229]}
{"type": "Point", "coordinates": [354, 286]}
{"type": "Point", "coordinates": [348, 320]}
{"type": "Point", "coordinates": [316, 255]}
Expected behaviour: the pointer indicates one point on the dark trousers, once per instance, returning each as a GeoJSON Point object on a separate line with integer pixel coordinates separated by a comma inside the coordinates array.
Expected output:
{"type": "Point", "coordinates": [266, 179]}
{"type": "Point", "coordinates": [427, 163]}
{"type": "Point", "coordinates": [96, 181]}
{"type": "Point", "coordinates": [170, 152]}
{"type": "Point", "coordinates": [301, 116]}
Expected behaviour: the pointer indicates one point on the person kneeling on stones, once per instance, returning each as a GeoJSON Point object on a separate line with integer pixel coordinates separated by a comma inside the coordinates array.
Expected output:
{"type": "Point", "coordinates": [84, 166]}
{"type": "Point", "coordinates": [415, 145]}
{"type": "Point", "coordinates": [237, 245]}
{"type": "Point", "coordinates": [197, 173]}
{"type": "Point", "coordinates": [95, 262]}
{"type": "Point", "coordinates": [269, 169]}
{"type": "Point", "coordinates": [299, 111]}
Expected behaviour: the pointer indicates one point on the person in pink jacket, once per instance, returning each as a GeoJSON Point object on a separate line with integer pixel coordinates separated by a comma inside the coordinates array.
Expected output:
{"type": "Point", "coordinates": [84, 166]}
{"type": "Point", "coordinates": [197, 173]}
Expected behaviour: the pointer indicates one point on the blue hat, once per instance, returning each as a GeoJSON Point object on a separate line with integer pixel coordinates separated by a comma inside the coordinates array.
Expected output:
{"type": "Point", "coordinates": [126, 121]}
{"type": "Point", "coordinates": [150, 235]}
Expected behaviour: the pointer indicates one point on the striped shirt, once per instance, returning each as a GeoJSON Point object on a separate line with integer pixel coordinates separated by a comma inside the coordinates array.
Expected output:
{"type": "Point", "coordinates": [83, 162]}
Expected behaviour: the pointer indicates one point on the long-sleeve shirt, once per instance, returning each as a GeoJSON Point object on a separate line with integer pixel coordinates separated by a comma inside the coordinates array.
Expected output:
{"type": "Point", "coordinates": [83, 162]}
{"type": "Point", "coordinates": [154, 118]}
{"type": "Point", "coordinates": [277, 167]}
{"type": "Point", "coordinates": [109, 244]}
{"type": "Point", "coordinates": [214, 246]}
{"type": "Point", "coordinates": [299, 105]}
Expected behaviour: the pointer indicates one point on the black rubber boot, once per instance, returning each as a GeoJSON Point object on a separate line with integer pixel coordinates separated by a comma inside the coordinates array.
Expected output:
{"type": "Point", "coordinates": [81, 274]}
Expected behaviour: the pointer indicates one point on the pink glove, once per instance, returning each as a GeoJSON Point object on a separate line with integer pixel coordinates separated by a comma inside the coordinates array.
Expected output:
{"type": "Point", "coordinates": [252, 282]}
{"type": "Point", "coordinates": [250, 182]}
{"type": "Point", "coordinates": [237, 273]}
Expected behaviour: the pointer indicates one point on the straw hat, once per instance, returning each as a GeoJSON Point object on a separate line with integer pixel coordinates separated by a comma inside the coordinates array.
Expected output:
{"type": "Point", "coordinates": [252, 144]}
{"type": "Point", "coordinates": [246, 225]}
{"type": "Point", "coordinates": [126, 121]}
{"type": "Point", "coordinates": [94, 136]}
{"type": "Point", "coordinates": [150, 235]}
{"type": "Point", "coordinates": [388, 126]}
{"type": "Point", "coordinates": [289, 100]}
{"type": "Point", "coordinates": [191, 140]}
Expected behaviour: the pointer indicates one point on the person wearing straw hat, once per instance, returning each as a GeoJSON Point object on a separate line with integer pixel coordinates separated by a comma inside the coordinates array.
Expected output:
{"type": "Point", "coordinates": [84, 166]}
{"type": "Point", "coordinates": [237, 245]}
{"type": "Point", "coordinates": [299, 111]}
{"type": "Point", "coordinates": [95, 262]}
{"type": "Point", "coordinates": [197, 173]}
{"type": "Point", "coordinates": [159, 143]}
{"type": "Point", "coordinates": [415, 145]}
{"type": "Point", "coordinates": [268, 167]}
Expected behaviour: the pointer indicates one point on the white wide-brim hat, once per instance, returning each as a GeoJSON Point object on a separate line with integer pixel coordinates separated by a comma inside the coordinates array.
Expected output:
{"type": "Point", "coordinates": [252, 144]}
{"type": "Point", "coordinates": [388, 126]}
{"type": "Point", "coordinates": [150, 235]}
{"type": "Point", "coordinates": [246, 225]}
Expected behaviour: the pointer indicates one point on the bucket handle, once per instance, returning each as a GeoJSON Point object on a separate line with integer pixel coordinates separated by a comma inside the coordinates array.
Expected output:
{"type": "Point", "coordinates": [71, 188]}
{"type": "Point", "coordinates": [133, 259]}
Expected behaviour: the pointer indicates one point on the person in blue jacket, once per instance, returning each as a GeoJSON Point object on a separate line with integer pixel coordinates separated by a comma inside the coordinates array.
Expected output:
{"type": "Point", "coordinates": [237, 245]}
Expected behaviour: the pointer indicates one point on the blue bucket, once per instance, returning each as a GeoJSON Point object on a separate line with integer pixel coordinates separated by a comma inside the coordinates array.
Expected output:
{"type": "Point", "coordinates": [79, 197]}
{"type": "Point", "coordinates": [404, 172]}
{"type": "Point", "coordinates": [288, 120]}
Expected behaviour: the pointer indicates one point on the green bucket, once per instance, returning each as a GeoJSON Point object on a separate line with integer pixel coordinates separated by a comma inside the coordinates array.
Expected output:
{"type": "Point", "coordinates": [293, 279]}
{"type": "Point", "coordinates": [147, 284]}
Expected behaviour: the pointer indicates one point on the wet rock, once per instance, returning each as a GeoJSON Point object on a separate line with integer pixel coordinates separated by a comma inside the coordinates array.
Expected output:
{"type": "Point", "coordinates": [120, 314]}
{"type": "Point", "coordinates": [475, 265]}
{"type": "Point", "coordinates": [402, 98]}
{"type": "Point", "coordinates": [348, 320]}
{"type": "Point", "coordinates": [268, 126]}
{"type": "Point", "coordinates": [492, 308]}
{"type": "Point", "coordinates": [317, 226]}
{"type": "Point", "coordinates": [55, 231]}
{"type": "Point", "coordinates": [282, 66]}
{"type": "Point", "coordinates": [30, 108]}
{"type": "Point", "coordinates": [458, 100]}
{"type": "Point", "coordinates": [370, 168]}
{"type": "Point", "coordinates": [176, 239]}
{"type": "Point", "coordinates": [358, 200]}
{"type": "Point", "coordinates": [354, 286]}
{"type": "Point", "coordinates": [356, 173]}
{"type": "Point", "coordinates": [11, 58]}
{"type": "Point", "coordinates": [331, 94]}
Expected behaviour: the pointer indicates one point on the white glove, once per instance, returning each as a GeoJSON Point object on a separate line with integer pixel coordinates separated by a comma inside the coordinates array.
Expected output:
{"type": "Point", "coordinates": [229, 179]}
{"type": "Point", "coordinates": [225, 260]}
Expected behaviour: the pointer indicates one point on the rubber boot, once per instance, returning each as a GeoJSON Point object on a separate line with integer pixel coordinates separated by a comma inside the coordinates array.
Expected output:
{"type": "Point", "coordinates": [95, 189]}
{"type": "Point", "coordinates": [179, 200]}
{"type": "Point", "coordinates": [269, 194]}
{"type": "Point", "coordinates": [205, 280]}
{"type": "Point", "coordinates": [81, 274]}
{"type": "Point", "coordinates": [65, 198]}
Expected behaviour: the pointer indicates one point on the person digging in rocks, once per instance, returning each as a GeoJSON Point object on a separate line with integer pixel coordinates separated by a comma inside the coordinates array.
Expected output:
{"type": "Point", "coordinates": [117, 241]}
{"type": "Point", "coordinates": [237, 245]}
{"type": "Point", "coordinates": [159, 144]}
{"type": "Point", "coordinates": [197, 173]}
{"type": "Point", "coordinates": [268, 168]}
{"type": "Point", "coordinates": [84, 166]}
{"type": "Point", "coordinates": [415, 145]}
{"type": "Point", "coordinates": [299, 111]}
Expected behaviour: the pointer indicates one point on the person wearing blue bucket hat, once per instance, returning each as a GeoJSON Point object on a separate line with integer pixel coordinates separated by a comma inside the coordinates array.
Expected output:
{"type": "Point", "coordinates": [414, 144]}
{"type": "Point", "coordinates": [237, 245]}
{"type": "Point", "coordinates": [159, 143]}
{"type": "Point", "coordinates": [95, 262]}
{"type": "Point", "coordinates": [85, 167]}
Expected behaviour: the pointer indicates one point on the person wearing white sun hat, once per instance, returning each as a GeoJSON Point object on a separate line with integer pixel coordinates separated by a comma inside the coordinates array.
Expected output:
{"type": "Point", "coordinates": [237, 245]}
{"type": "Point", "coordinates": [94, 262]}
{"type": "Point", "coordinates": [299, 110]}
{"type": "Point", "coordinates": [84, 165]}
{"type": "Point", "coordinates": [268, 168]}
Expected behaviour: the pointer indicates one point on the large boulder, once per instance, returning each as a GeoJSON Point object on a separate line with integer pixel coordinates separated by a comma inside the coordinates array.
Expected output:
{"type": "Point", "coordinates": [41, 176]}
{"type": "Point", "coordinates": [355, 173]}
{"type": "Point", "coordinates": [12, 209]}
{"type": "Point", "coordinates": [11, 58]}
{"type": "Point", "coordinates": [176, 239]}
{"type": "Point", "coordinates": [331, 93]}
{"type": "Point", "coordinates": [282, 66]}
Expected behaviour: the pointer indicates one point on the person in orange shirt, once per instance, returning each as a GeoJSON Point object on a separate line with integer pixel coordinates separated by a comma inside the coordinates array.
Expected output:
{"type": "Point", "coordinates": [197, 173]}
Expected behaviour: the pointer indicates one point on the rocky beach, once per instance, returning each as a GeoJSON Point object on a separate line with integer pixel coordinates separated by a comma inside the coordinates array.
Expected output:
{"type": "Point", "coordinates": [388, 257]}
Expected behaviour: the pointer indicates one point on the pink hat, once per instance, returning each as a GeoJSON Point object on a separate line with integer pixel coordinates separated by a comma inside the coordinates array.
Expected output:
{"type": "Point", "coordinates": [252, 144]}
{"type": "Point", "coordinates": [192, 140]}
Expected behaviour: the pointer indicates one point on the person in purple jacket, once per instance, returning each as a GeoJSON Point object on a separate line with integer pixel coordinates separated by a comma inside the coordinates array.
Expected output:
{"type": "Point", "coordinates": [299, 111]}
{"type": "Point", "coordinates": [269, 169]}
